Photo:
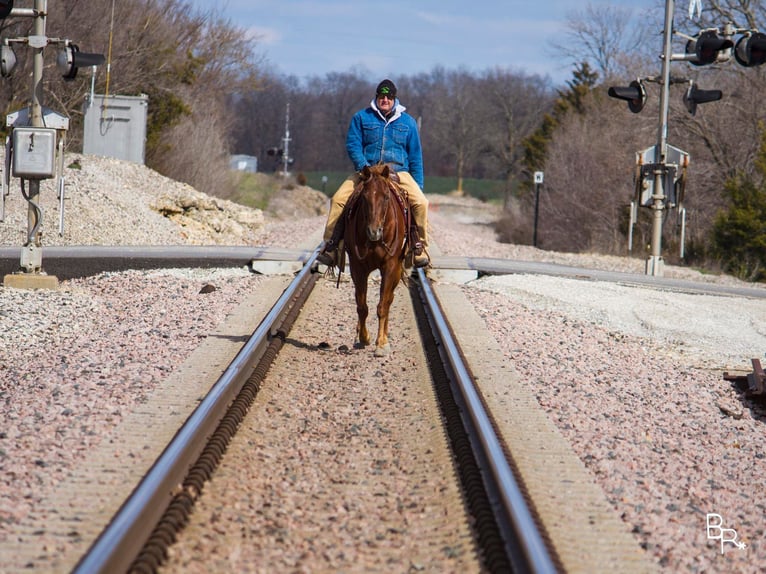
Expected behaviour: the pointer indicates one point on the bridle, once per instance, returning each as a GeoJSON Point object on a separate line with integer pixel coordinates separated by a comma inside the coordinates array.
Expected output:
{"type": "Point", "coordinates": [390, 206]}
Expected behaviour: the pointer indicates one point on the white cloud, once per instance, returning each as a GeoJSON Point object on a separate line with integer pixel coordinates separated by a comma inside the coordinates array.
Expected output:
{"type": "Point", "coordinates": [264, 36]}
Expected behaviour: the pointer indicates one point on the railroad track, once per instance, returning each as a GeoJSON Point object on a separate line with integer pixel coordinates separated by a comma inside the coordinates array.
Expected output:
{"type": "Point", "coordinates": [510, 506]}
{"type": "Point", "coordinates": [505, 524]}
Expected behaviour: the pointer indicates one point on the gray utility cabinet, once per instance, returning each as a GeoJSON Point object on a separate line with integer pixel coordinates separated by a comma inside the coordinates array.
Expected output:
{"type": "Point", "coordinates": [115, 126]}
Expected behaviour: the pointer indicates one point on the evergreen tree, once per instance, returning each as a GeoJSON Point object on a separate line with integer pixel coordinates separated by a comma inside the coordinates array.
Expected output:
{"type": "Point", "coordinates": [739, 234]}
{"type": "Point", "coordinates": [571, 100]}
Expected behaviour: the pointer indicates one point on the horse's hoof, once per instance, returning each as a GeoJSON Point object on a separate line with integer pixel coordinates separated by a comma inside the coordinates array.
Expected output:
{"type": "Point", "coordinates": [383, 351]}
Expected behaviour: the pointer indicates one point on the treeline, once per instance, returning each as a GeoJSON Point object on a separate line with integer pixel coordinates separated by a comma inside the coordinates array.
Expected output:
{"type": "Point", "coordinates": [211, 94]}
{"type": "Point", "coordinates": [471, 124]}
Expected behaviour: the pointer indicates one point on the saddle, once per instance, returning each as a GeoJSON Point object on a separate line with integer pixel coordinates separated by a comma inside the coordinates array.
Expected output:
{"type": "Point", "coordinates": [402, 200]}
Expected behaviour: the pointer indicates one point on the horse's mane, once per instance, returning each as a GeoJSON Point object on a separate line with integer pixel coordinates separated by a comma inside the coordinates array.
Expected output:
{"type": "Point", "coordinates": [384, 170]}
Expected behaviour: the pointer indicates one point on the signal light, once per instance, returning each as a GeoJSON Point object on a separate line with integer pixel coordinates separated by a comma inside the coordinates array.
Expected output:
{"type": "Point", "coordinates": [751, 49]}
{"type": "Point", "coordinates": [706, 47]}
{"type": "Point", "coordinates": [5, 8]}
{"type": "Point", "coordinates": [635, 94]}
{"type": "Point", "coordinates": [70, 59]}
{"type": "Point", "coordinates": [694, 96]}
{"type": "Point", "coordinates": [7, 61]}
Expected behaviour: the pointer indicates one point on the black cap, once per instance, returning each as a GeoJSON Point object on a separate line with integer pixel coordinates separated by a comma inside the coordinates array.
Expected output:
{"type": "Point", "coordinates": [386, 88]}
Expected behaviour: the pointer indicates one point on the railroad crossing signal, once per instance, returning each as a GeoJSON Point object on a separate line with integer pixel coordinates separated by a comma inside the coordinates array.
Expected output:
{"type": "Point", "coordinates": [35, 148]}
{"type": "Point", "coordinates": [634, 94]}
{"type": "Point", "coordinates": [751, 49]}
{"type": "Point", "coordinates": [70, 59]}
{"type": "Point", "coordinates": [5, 8]}
{"type": "Point", "coordinates": [707, 46]}
{"type": "Point", "coordinates": [694, 96]}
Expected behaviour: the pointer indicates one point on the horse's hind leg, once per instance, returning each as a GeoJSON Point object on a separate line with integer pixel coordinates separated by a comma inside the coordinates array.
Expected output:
{"type": "Point", "coordinates": [360, 285]}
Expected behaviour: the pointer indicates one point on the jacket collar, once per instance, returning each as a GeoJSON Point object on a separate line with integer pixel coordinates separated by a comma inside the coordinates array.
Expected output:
{"type": "Point", "coordinates": [395, 113]}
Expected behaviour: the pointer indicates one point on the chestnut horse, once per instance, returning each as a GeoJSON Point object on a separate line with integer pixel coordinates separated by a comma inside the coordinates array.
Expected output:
{"type": "Point", "coordinates": [374, 237]}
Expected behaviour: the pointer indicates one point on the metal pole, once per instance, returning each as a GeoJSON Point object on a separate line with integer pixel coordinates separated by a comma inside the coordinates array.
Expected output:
{"type": "Point", "coordinates": [37, 75]}
{"type": "Point", "coordinates": [537, 211]}
{"type": "Point", "coordinates": [31, 254]}
{"type": "Point", "coordinates": [654, 264]}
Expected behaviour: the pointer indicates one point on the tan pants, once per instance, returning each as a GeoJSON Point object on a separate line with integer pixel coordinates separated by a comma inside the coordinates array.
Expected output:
{"type": "Point", "coordinates": [418, 204]}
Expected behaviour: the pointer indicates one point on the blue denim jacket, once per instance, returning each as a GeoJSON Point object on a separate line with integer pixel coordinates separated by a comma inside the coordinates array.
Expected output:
{"type": "Point", "coordinates": [371, 140]}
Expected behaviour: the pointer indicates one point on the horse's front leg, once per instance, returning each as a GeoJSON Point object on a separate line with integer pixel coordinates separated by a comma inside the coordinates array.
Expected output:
{"type": "Point", "coordinates": [360, 288]}
{"type": "Point", "coordinates": [388, 282]}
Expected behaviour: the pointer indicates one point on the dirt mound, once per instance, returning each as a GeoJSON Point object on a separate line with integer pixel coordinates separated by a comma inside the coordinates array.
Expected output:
{"type": "Point", "coordinates": [115, 202]}
{"type": "Point", "coordinates": [297, 202]}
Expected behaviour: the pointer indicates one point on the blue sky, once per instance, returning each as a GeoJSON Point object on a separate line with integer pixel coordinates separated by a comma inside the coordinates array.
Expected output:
{"type": "Point", "coordinates": [393, 37]}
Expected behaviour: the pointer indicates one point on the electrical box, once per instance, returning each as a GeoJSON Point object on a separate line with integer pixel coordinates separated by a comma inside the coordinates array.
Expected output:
{"type": "Point", "coordinates": [115, 126]}
{"type": "Point", "coordinates": [674, 177]}
{"type": "Point", "coordinates": [34, 153]}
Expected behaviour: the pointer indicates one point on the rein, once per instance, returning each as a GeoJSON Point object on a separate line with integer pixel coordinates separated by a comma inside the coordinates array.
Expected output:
{"type": "Point", "coordinates": [392, 205]}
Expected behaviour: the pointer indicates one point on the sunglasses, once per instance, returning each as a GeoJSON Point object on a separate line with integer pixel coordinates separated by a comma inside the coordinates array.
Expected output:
{"type": "Point", "coordinates": [385, 97]}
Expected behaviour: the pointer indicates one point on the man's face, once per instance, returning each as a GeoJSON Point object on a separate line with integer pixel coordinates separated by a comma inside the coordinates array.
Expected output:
{"type": "Point", "coordinates": [385, 102]}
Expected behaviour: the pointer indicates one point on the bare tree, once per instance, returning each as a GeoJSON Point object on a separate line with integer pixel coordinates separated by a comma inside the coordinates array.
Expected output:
{"type": "Point", "coordinates": [188, 62]}
{"type": "Point", "coordinates": [599, 34]}
{"type": "Point", "coordinates": [453, 118]}
{"type": "Point", "coordinates": [588, 180]}
{"type": "Point", "coordinates": [741, 13]}
{"type": "Point", "coordinates": [331, 101]}
{"type": "Point", "coordinates": [512, 109]}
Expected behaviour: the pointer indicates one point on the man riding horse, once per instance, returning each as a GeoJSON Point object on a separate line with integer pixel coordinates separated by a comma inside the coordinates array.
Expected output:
{"type": "Point", "coordinates": [383, 133]}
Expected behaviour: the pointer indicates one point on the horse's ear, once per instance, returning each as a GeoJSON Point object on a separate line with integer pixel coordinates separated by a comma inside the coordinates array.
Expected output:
{"type": "Point", "coordinates": [385, 171]}
{"type": "Point", "coordinates": [365, 173]}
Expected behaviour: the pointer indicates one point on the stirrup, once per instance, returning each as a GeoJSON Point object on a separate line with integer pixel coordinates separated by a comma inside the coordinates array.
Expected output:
{"type": "Point", "coordinates": [420, 260]}
{"type": "Point", "coordinates": [327, 258]}
{"type": "Point", "coordinates": [328, 254]}
{"type": "Point", "coordinates": [419, 257]}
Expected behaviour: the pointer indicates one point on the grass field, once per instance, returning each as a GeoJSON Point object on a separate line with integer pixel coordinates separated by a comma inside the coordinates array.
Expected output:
{"type": "Point", "coordinates": [255, 189]}
{"type": "Point", "coordinates": [484, 189]}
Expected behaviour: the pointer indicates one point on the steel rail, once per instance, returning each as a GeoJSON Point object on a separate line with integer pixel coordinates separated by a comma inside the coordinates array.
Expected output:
{"type": "Point", "coordinates": [513, 507]}
{"type": "Point", "coordinates": [121, 541]}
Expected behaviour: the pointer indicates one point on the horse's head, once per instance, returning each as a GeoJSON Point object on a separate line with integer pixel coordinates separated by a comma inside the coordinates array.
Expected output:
{"type": "Point", "coordinates": [376, 194]}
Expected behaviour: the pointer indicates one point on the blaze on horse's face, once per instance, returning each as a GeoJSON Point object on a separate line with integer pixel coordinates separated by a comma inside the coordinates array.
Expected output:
{"type": "Point", "coordinates": [377, 199]}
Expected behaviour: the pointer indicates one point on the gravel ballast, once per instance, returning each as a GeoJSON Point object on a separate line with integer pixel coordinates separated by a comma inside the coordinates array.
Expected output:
{"type": "Point", "coordinates": [631, 376]}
